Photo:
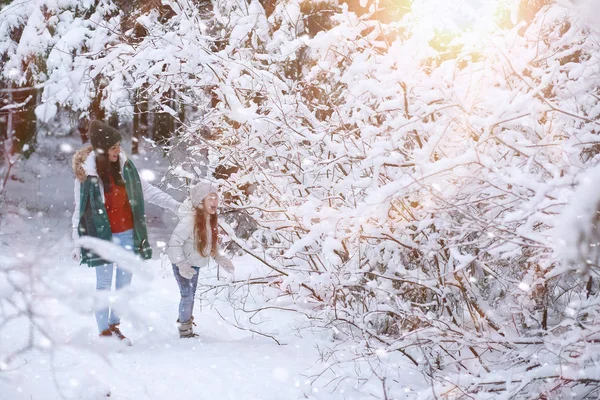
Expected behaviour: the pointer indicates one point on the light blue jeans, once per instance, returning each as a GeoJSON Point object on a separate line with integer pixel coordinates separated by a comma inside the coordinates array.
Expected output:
{"type": "Point", "coordinates": [104, 278]}
{"type": "Point", "coordinates": [187, 290]}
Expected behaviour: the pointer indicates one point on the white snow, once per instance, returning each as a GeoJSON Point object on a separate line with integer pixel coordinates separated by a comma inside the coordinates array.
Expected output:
{"type": "Point", "coordinates": [424, 193]}
{"type": "Point", "coordinates": [71, 362]}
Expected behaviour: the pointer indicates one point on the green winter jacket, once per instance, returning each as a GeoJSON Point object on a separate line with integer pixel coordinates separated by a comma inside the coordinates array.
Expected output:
{"type": "Point", "coordinates": [93, 218]}
{"type": "Point", "coordinates": [90, 218]}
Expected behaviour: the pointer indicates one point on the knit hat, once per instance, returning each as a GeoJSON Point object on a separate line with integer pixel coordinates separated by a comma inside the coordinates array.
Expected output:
{"type": "Point", "coordinates": [103, 136]}
{"type": "Point", "coordinates": [200, 190]}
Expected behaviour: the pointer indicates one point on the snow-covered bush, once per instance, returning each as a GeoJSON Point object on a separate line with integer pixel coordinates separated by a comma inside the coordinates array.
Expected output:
{"type": "Point", "coordinates": [404, 179]}
{"type": "Point", "coordinates": [414, 194]}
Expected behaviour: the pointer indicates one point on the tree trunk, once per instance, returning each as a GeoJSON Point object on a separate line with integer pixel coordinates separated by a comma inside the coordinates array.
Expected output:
{"type": "Point", "coordinates": [82, 127]}
{"type": "Point", "coordinates": [180, 114]}
{"type": "Point", "coordinates": [3, 117]}
{"type": "Point", "coordinates": [140, 120]}
{"type": "Point", "coordinates": [163, 121]}
{"type": "Point", "coordinates": [24, 120]}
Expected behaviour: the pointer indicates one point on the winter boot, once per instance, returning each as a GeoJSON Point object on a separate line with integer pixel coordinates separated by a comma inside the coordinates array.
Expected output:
{"type": "Point", "coordinates": [116, 332]}
{"type": "Point", "coordinates": [186, 329]}
{"type": "Point", "coordinates": [105, 332]}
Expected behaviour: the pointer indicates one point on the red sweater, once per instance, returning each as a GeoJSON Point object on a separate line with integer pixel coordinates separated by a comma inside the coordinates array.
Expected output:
{"type": "Point", "coordinates": [118, 208]}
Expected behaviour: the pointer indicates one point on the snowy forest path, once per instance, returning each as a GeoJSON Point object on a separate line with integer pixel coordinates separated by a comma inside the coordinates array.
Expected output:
{"type": "Point", "coordinates": [224, 363]}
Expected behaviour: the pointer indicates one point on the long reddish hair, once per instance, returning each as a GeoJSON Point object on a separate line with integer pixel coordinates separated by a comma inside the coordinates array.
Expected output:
{"type": "Point", "coordinates": [200, 236]}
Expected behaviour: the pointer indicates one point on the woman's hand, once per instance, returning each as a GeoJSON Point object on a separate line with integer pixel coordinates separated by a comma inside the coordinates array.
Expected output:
{"type": "Point", "coordinates": [76, 254]}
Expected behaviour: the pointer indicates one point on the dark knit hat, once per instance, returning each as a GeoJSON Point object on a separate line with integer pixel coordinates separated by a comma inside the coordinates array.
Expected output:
{"type": "Point", "coordinates": [103, 136]}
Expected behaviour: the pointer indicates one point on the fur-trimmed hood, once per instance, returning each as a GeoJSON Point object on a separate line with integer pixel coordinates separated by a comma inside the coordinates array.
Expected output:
{"type": "Point", "coordinates": [84, 163]}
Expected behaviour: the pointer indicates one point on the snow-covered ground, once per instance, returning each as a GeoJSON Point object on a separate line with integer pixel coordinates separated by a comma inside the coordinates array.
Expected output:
{"type": "Point", "coordinates": [224, 363]}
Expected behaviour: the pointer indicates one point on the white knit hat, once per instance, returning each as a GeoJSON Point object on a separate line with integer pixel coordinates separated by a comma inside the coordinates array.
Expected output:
{"type": "Point", "coordinates": [200, 190]}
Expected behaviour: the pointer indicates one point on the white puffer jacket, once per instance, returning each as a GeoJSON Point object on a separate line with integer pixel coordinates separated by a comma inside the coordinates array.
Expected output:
{"type": "Point", "coordinates": [182, 249]}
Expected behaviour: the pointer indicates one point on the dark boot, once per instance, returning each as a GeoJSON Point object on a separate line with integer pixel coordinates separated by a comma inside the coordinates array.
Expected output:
{"type": "Point", "coordinates": [116, 332]}
{"type": "Point", "coordinates": [186, 329]}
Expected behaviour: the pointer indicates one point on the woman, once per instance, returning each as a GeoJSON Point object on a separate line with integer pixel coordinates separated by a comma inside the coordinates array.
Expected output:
{"type": "Point", "coordinates": [193, 242]}
{"type": "Point", "coordinates": [109, 205]}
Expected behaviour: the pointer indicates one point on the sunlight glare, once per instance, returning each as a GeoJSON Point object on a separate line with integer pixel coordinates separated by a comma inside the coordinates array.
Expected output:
{"type": "Point", "coordinates": [470, 20]}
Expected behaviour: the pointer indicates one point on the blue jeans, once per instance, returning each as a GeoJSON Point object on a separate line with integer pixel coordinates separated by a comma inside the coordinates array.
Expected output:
{"type": "Point", "coordinates": [104, 278]}
{"type": "Point", "coordinates": [187, 290]}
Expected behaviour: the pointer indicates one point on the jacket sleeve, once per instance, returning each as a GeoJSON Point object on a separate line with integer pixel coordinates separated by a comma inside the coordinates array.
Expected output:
{"type": "Point", "coordinates": [154, 195]}
{"type": "Point", "coordinates": [75, 218]}
{"type": "Point", "coordinates": [182, 231]}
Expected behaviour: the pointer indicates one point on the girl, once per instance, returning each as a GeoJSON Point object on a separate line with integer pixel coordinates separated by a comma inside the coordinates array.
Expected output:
{"type": "Point", "coordinates": [193, 242]}
{"type": "Point", "coordinates": [109, 205]}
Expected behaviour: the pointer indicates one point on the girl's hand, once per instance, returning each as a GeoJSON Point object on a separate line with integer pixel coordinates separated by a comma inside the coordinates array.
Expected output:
{"type": "Point", "coordinates": [225, 263]}
{"type": "Point", "coordinates": [231, 278]}
{"type": "Point", "coordinates": [186, 271]}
